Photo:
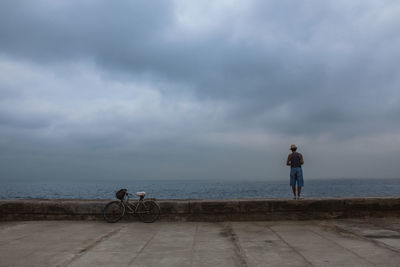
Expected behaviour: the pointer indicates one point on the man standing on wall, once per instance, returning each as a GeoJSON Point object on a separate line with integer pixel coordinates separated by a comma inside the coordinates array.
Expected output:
{"type": "Point", "coordinates": [295, 160]}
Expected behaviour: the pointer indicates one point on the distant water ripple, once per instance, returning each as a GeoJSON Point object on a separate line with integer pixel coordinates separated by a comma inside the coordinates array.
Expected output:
{"type": "Point", "coordinates": [201, 189]}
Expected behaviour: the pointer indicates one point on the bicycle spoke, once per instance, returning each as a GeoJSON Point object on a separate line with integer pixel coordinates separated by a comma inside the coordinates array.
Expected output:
{"type": "Point", "coordinates": [148, 211]}
{"type": "Point", "coordinates": [113, 211]}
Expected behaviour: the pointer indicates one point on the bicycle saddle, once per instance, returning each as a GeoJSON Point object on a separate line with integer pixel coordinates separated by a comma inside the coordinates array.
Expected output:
{"type": "Point", "coordinates": [140, 194]}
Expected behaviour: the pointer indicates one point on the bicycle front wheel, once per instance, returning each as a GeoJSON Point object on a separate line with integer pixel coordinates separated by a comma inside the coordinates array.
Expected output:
{"type": "Point", "coordinates": [113, 211]}
{"type": "Point", "coordinates": [148, 211]}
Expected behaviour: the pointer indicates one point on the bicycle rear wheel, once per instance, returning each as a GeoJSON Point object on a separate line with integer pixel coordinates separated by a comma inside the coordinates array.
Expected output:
{"type": "Point", "coordinates": [148, 211]}
{"type": "Point", "coordinates": [113, 211]}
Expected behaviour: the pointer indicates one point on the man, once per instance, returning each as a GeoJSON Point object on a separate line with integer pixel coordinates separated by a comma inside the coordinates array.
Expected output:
{"type": "Point", "coordinates": [295, 160]}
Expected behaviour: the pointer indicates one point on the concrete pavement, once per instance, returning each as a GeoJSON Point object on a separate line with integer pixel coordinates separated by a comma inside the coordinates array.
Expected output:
{"type": "Point", "coordinates": [350, 242]}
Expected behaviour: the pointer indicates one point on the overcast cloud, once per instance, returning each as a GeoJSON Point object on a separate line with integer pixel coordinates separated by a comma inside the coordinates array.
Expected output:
{"type": "Point", "coordinates": [198, 89]}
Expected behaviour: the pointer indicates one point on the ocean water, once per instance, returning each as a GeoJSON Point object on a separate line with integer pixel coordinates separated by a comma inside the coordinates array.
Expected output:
{"type": "Point", "coordinates": [200, 189]}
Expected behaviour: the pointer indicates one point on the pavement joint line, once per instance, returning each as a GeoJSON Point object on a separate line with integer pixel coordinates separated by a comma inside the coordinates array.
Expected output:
{"type": "Point", "coordinates": [193, 244]}
{"type": "Point", "coordinates": [142, 248]}
{"type": "Point", "coordinates": [90, 246]}
{"type": "Point", "coordinates": [239, 252]}
{"type": "Point", "coordinates": [383, 226]}
{"type": "Point", "coordinates": [349, 250]}
{"type": "Point", "coordinates": [115, 251]}
{"type": "Point", "coordinates": [291, 247]}
{"type": "Point", "coordinates": [374, 241]}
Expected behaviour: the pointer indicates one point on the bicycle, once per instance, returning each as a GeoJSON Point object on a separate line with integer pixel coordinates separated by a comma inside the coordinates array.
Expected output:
{"type": "Point", "coordinates": [148, 210]}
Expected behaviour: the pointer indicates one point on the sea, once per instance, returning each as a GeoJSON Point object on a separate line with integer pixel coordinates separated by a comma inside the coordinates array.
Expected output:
{"type": "Point", "coordinates": [199, 189]}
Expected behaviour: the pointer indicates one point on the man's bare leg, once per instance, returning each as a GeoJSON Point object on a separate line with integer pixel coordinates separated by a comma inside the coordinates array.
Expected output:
{"type": "Point", "coordinates": [298, 191]}
{"type": "Point", "coordinates": [294, 191]}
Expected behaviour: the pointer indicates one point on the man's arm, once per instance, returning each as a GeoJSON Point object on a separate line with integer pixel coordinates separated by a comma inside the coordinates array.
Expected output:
{"type": "Point", "coordinates": [301, 159]}
{"type": "Point", "coordinates": [288, 161]}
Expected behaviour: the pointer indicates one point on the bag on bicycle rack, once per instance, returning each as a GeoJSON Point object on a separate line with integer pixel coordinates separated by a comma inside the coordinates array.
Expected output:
{"type": "Point", "coordinates": [121, 194]}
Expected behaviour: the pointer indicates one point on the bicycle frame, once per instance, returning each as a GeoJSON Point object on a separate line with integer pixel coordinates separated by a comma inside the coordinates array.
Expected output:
{"type": "Point", "coordinates": [148, 210]}
{"type": "Point", "coordinates": [132, 208]}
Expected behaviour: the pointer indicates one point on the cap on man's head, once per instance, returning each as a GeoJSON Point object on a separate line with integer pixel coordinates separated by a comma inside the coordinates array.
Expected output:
{"type": "Point", "coordinates": [293, 147]}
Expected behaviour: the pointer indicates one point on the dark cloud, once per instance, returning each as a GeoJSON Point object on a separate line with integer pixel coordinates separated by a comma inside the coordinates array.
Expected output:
{"type": "Point", "coordinates": [169, 81]}
{"type": "Point", "coordinates": [46, 31]}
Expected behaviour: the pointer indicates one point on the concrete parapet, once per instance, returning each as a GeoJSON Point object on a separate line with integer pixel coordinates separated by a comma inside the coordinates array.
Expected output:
{"type": "Point", "coordinates": [208, 210]}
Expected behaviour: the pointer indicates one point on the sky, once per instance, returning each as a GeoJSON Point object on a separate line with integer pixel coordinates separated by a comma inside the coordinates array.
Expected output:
{"type": "Point", "coordinates": [167, 89]}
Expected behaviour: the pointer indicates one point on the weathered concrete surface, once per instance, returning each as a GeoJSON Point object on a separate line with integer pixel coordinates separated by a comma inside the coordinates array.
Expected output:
{"type": "Point", "coordinates": [210, 210]}
{"type": "Point", "coordinates": [346, 242]}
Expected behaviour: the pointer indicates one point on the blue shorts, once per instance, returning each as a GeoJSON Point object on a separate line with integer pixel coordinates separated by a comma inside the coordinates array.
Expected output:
{"type": "Point", "coordinates": [296, 176]}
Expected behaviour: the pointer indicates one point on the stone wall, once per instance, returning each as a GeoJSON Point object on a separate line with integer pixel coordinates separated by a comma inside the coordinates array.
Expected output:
{"type": "Point", "coordinates": [208, 210]}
